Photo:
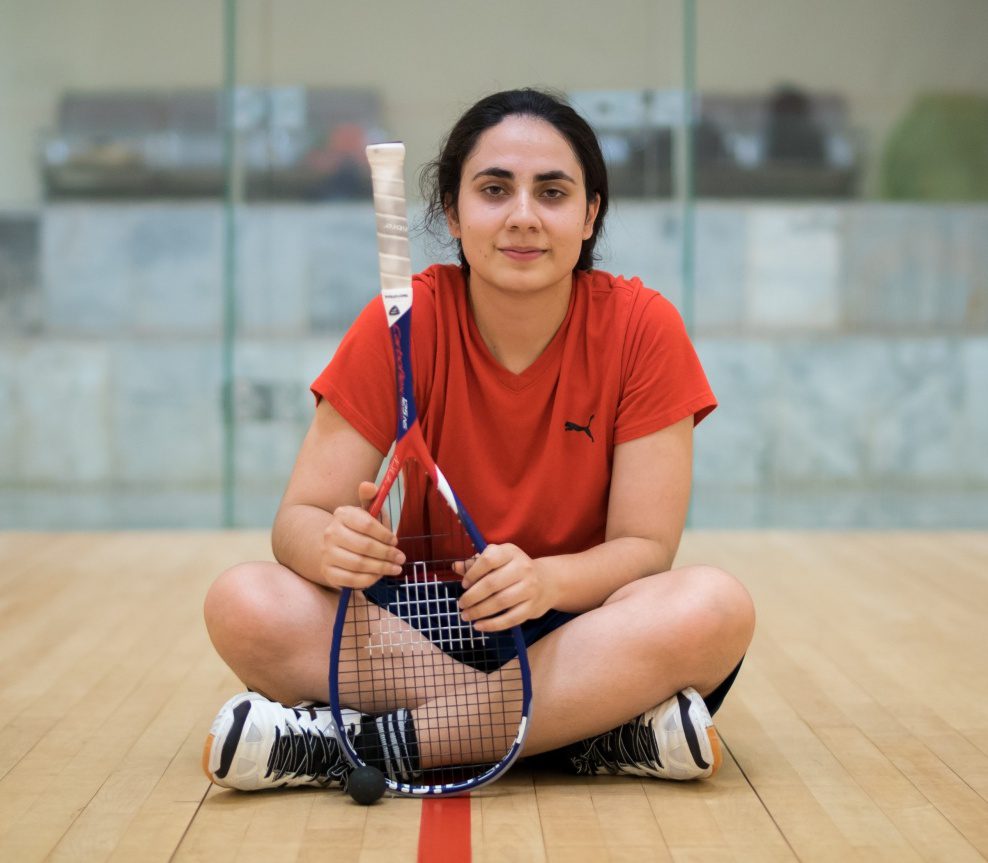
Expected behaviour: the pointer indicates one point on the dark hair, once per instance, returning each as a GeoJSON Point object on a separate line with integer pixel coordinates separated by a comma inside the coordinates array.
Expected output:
{"type": "Point", "coordinates": [440, 180]}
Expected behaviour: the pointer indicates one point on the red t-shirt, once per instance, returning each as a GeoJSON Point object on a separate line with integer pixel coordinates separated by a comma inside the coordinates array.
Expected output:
{"type": "Point", "coordinates": [528, 454]}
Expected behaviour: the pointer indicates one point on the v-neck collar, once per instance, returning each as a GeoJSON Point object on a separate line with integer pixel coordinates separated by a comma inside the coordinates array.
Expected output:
{"type": "Point", "coordinates": [545, 360]}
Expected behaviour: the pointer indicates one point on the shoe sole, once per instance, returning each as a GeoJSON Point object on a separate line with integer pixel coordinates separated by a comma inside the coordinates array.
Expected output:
{"type": "Point", "coordinates": [230, 731]}
{"type": "Point", "coordinates": [704, 761]}
{"type": "Point", "coordinates": [207, 751]}
{"type": "Point", "coordinates": [715, 748]}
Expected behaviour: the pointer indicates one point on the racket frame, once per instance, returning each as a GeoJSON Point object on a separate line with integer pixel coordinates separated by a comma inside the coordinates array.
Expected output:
{"type": "Point", "coordinates": [387, 164]}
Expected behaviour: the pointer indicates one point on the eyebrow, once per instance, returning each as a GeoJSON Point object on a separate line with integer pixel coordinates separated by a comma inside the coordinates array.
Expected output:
{"type": "Point", "coordinates": [545, 177]}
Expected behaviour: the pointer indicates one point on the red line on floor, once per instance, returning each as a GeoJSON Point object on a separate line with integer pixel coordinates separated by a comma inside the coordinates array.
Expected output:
{"type": "Point", "coordinates": [444, 830]}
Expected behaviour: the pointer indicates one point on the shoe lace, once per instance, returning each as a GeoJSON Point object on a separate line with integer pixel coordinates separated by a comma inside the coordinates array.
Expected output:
{"type": "Point", "coordinates": [306, 752]}
{"type": "Point", "coordinates": [630, 745]}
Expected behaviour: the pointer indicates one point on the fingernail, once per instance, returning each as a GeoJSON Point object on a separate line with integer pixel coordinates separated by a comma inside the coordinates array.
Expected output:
{"type": "Point", "coordinates": [396, 570]}
{"type": "Point", "coordinates": [399, 558]}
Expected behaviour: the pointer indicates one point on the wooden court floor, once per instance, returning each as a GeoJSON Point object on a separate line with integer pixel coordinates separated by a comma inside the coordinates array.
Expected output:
{"type": "Point", "coordinates": [857, 730]}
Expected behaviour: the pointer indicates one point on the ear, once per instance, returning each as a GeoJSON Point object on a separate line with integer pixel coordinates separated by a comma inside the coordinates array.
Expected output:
{"type": "Point", "coordinates": [592, 209]}
{"type": "Point", "coordinates": [452, 219]}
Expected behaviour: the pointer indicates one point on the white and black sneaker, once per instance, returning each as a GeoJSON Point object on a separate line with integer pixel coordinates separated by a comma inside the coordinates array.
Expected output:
{"type": "Point", "coordinates": [676, 740]}
{"type": "Point", "coordinates": [255, 743]}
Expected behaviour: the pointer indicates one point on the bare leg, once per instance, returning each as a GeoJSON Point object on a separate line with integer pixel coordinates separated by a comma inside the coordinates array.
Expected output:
{"type": "Point", "coordinates": [651, 639]}
{"type": "Point", "coordinates": [474, 724]}
{"type": "Point", "coordinates": [688, 627]}
{"type": "Point", "coordinates": [385, 663]}
{"type": "Point", "coordinates": [274, 629]}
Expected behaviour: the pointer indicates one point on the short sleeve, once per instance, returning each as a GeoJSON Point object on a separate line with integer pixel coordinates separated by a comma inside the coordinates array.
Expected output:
{"type": "Point", "coordinates": [359, 380]}
{"type": "Point", "coordinates": [663, 381]}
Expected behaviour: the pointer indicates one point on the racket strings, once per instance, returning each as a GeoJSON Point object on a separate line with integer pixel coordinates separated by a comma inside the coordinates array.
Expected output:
{"type": "Point", "coordinates": [406, 645]}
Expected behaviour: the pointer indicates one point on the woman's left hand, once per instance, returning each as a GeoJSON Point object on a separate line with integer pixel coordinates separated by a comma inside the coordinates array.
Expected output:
{"type": "Point", "coordinates": [503, 587]}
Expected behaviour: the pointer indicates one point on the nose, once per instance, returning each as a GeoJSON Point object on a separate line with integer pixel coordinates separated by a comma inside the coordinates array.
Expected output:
{"type": "Point", "coordinates": [523, 214]}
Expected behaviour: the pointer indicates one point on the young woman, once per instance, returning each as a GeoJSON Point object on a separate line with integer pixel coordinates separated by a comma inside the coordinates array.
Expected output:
{"type": "Point", "coordinates": [561, 402]}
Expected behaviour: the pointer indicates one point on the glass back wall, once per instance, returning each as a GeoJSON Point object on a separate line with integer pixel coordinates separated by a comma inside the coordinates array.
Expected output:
{"type": "Point", "coordinates": [841, 291]}
{"type": "Point", "coordinates": [818, 212]}
{"type": "Point", "coordinates": [321, 84]}
{"type": "Point", "coordinates": [111, 182]}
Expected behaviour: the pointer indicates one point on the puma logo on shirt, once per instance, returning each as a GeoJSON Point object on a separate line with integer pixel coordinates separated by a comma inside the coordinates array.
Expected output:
{"type": "Point", "coordinates": [570, 426]}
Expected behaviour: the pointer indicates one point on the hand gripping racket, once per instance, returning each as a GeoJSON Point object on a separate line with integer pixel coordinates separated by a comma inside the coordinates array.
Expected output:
{"type": "Point", "coordinates": [447, 705]}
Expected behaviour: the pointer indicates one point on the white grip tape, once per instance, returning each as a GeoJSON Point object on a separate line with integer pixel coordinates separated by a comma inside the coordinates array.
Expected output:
{"type": "Point", "coordinates": [387, 163]}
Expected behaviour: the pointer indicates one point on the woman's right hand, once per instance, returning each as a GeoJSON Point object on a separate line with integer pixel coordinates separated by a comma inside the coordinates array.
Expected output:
{"type": "Point", "coordinates": [357, 549]}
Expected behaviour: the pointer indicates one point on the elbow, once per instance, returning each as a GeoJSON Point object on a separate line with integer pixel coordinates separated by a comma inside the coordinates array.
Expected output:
{"type": "Point", "coordinates": [663, 555]}
{"type": "Point", "coordinates": [279, 534]}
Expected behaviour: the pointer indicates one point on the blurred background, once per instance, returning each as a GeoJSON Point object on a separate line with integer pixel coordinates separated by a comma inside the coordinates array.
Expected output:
{"type": "Point", "coordinates": [186, 232]}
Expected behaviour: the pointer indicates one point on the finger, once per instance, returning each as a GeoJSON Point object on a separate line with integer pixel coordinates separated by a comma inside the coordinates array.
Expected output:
{"type": "Point", "coordinates": [348, 559]}
{"type": "Point", "coordinates": [482, 589]}
{"type": "Point", "coordinates": [366, 492]}
{"type": "Point", "coordinates": [344, 578]}
{"type": "Point", "coordinates": [348, 551]}
{"type": "Point", "coordinates": [493, 557]}
{"type": "Point", "coordinates": [360, 521]}
{"type": "Point", "coordinates": [514, 616]}
{"type": "Point", "coordinates": [502, 600]}
{"type": "Point", "coordinates": [345, 567]}
{"type": "Point", "coordinates": [461, 567]}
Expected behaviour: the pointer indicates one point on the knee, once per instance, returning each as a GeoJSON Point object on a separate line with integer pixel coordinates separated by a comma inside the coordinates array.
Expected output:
{"type": "Point", "coordinates": [721, 609]}
{"type": "Point", "coordinates": [703, 613]}
{"type": "Point", "coordinates": [704, 600]}
{"type": "Point", "coordinates": [695, 623]}
{"type": "Point", "coordinates": [240, 603]}
{"type": "Point", "coordinates": [724, 602]}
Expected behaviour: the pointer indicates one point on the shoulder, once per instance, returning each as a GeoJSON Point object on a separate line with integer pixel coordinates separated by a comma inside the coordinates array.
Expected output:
{"type": "Point", "coordinates": [438, 293]}
{"type": "Point", "coordinates": [627, 303]}
{"type": "Point", "coordinates": [437, 281]}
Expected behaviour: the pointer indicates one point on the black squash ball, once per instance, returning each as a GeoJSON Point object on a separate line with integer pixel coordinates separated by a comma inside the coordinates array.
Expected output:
{"type": "Point", "coordinates": [366, 785]}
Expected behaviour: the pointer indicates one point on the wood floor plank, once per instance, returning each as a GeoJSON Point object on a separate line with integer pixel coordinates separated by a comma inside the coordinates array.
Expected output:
{"type": "Point", "coordinates": [67, 771]}
{"type": "Point", "coordinates": [567, 814]}
{"type": "Point", "coordinates": [392, 831]}
{"type": "Point", "coordinates": [336, 827]}
{"type": "Point", "coordinates": [627, 818]}
{"type": "Point", "coordinates": [956, 800]}
{"type": "Point", "coordinates": [219, 827]}
{"type": "Point", "coordinates": [505, 821]}
{"type": "Point", "coordinates": [77, 745]}
{"type": "Point", "coordinates": [920, 822]}
{"type": "Point", "coordinates": [858, 643]}
{"type": "Point", "coordinates": [858, 728]}
{"type": "Point", "coordinates": [158, 784]}
{"type": "Point", "coordinates": [893, 680]}
{"type": "Point", "coordinates": [978, 737]}
{"type": "Point", "coordinates": [689, 828]}
{"type": "Point", "coordinates": [748, 829]}
{"type": "Point", "coordinates": [869, 736]}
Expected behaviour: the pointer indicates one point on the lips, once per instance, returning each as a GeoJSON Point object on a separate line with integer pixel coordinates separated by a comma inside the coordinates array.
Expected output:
{"type": "Point", "coordinates": [517, 253]}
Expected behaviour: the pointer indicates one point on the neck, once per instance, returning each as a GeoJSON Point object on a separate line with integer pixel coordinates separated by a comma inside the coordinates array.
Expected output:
{"type": "Point", "coordinates": [516, 328]}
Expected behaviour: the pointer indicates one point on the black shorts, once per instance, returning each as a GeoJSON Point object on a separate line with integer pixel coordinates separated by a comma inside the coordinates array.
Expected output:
{"type": "Point", "coordinates": [433, 611]}
{"type": "Point", "coordinates": [716, 698]}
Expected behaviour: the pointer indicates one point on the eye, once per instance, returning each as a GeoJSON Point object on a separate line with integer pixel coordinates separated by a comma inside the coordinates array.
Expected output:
{"type": "Point", "coordinates": [493, 191]}
{"type": "Point", "coordinates": [553, 193]}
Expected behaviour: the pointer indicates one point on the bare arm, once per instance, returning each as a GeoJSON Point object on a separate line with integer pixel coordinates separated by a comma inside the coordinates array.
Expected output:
{"type": "Point", "coordinates": [649, 498]}
{"type": "Point", "coordinates": [646, 513]}
{"type": "Point", "coordinates": [322, 530]}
